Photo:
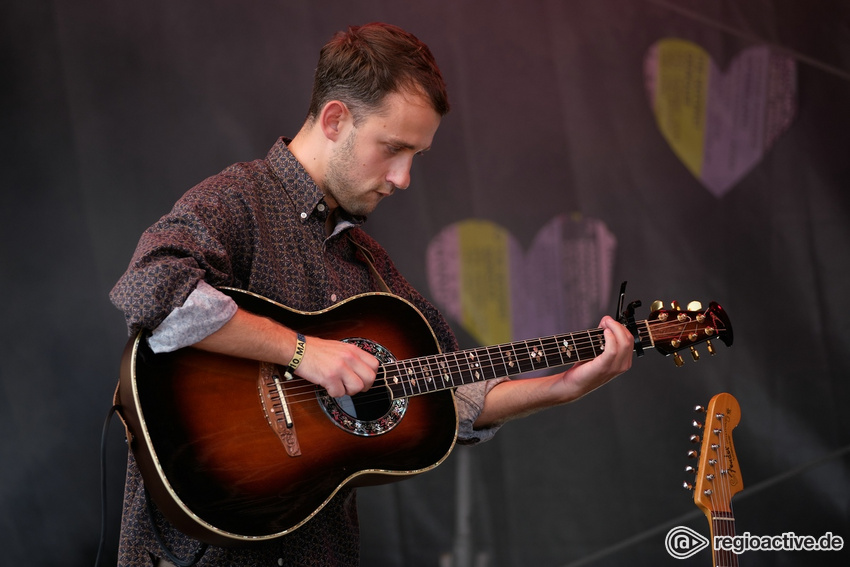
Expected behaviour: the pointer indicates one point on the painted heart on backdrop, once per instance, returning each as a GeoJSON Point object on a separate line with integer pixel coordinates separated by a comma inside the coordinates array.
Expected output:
{"type": "Point", "coordinates": [720, 124]}
{"type": "Point", "coordinates": [479, 276]}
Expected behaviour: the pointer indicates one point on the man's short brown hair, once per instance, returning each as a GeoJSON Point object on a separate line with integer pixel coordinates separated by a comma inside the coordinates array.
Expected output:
{"type": "Point", "coordinates": [362, 65]}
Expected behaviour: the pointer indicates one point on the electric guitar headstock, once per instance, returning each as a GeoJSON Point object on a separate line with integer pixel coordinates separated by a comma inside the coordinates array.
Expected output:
{"type": "Point", "coordinates": [676, 329]}
{"type": "Point", "coordinates": [718, 474]}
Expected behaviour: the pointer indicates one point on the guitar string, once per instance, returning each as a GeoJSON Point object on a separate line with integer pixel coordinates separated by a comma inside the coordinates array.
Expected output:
{"type": "Point", "coordinates": [729, 525]}
{"type": "Point", "coordinates": [305, 393]}
{"type": "Point", "coordinates": [463, 365]}
{"type": "Point", "coordinates": [722, 495]}
{"type": "Point", "coordinates": [546, 342]}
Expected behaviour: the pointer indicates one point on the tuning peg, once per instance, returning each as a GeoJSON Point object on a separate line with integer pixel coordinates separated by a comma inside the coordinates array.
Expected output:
{"type": "Point", "coordinates": [696, 424]}
{"type": "Point", "coordinates": [690, 469]}
{"type": "Point", "coordinates": [677, 360]}
{"type": "Point", "coordinates": [687, 486]}
{"type": "Point", "coordinates": [699, 409]}
{"type": "Point", "coordinates": [695, 439]}
{"type": "Point", "coordinates": [675, 306]}
{"type": "Point", "coordinates": [694, 306]}
{"type": "Point", "coordinates": [710, 348]}
{"type": "Point", "coordinates": [694, 354]}
{"type": "Point", "coordinates": [693, 454]}
{"type": "Point", "coordinates": [656, 305]}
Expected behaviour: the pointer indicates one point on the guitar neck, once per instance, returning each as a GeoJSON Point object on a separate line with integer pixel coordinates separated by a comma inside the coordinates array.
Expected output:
{"type": "Point", "coordinates": [421, 375]}
{"type": "Point", "coordinates": [718, 475]}
{"type": "Point", "coordinates": [723, 524]}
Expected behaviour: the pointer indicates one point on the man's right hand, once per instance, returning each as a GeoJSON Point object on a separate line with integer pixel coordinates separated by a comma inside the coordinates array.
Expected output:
{"type": "Point", "coordinates": [338, 367]}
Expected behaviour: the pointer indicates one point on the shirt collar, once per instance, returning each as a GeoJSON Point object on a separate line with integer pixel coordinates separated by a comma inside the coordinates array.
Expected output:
{"type": "Point", "coordinates": [302, 189]}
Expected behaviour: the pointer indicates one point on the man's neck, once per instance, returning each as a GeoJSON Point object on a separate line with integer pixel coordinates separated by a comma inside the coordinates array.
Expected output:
{"type": "Point", "coordinates": [306, 148]}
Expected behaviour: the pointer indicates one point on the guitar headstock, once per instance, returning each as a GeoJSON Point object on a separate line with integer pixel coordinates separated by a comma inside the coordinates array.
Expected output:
{"type": "Point", "coordinates": [718, 476]}
{"type": "Point", "coordinates": [676, 329]}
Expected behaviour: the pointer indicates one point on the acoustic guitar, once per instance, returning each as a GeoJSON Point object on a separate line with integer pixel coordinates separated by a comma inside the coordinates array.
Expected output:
{"type": "Point", "coordinates": [232, 451]}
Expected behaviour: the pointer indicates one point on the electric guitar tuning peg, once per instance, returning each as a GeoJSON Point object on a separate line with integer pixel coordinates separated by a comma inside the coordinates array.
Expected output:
{"type": "Point", "coordinates": [695, 439]}
{"type": "Point", "coordinates": [690, 469]}
{"type": "Point", "coordinates": [693, 454]}
{"type": "Point", "coordinates": [699, 409]}
{"type": "Point", "coordinates": [696, 424]}
{"type": "Point", "coordinates": [687, 486]}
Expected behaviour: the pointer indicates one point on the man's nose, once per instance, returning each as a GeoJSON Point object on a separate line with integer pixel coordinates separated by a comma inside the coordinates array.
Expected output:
{"type": "Point", "coordinates": [400, 176]}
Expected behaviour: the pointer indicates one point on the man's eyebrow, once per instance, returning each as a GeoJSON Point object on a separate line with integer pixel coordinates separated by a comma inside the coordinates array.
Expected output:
{"type": "Point", "coordinates": [406, 145]}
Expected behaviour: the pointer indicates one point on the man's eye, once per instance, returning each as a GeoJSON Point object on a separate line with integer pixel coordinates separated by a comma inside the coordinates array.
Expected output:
{"type": "Point", "coordinates": [393, 150]}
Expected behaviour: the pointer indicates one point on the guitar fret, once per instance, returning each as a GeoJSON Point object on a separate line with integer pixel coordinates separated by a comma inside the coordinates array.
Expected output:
{"type": "Point", "coordinates": [489, 369]}
{"type": "Point", "coordinates": [425, 377]}
{"type": "Point", "coordinates": [501, 361]}
{"type": "Point", "coordinates": [550, 349]}
{"type": "Point", "coordinates": [537, 355]}
{"type": "Point", "coordinates": [458, 377]}
{"type": "Point", "coordinates": [567, 348]}
{"type": "Point", "coordinates": [559, 348]}
{"type": "Point", "coordinates": [392, 377]}
{"type": "Point", "coordinates": [433, 370]}
{"type": "Point", "coordinates": [509, 358]}
{"type": "Point", "coordinates": [593, 345]}
{"type": "Point", "coordinates": [449, 370]}
{"type": "Point", "coordinates": [471, 358]}
{"type": "Point", "coordinates": [445, 371]}
{"type": "Point", "coordinates": [590, 342]}
{"type": "Point", "coordinates": [408, 376]}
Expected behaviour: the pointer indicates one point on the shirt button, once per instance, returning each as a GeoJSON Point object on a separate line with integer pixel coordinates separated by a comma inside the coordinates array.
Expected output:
{"type": "Point", "coordinates": [321, 207]}
{"type": "Point", "coordinates": [333, 297]}
{"type": "Point", "coordinates": [280, 561]}
{"type": "Point", "coordinates": [303, 215]}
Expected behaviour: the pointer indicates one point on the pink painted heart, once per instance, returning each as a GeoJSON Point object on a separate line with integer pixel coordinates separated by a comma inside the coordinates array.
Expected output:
{"type": "Point", "coordinates": [480, 277]}
{"type": "Point", "coordinates": [720, 124]}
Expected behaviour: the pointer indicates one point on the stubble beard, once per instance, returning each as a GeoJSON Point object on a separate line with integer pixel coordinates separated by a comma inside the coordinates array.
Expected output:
{"type": "Point", "coordinates": [340, 184]}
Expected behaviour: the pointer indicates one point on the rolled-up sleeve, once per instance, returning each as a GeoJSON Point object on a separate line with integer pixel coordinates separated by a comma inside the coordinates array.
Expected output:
{"type": "Point", "coordinates": [470, 402]}
{"type": "Point", "coordinates": [204, 312]}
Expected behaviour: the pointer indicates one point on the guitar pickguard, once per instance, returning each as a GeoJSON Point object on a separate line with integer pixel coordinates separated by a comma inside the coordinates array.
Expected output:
{"type": "Point", "coordinates": [369, 413]}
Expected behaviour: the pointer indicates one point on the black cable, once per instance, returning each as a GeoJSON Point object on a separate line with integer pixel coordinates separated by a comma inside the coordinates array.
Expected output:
{"type": "Point", "coordinates": [102, 543]}
{"type": "Point", "coordinates": [103, 508]}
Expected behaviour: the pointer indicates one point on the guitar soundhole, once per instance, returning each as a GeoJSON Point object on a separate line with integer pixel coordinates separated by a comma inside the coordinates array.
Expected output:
{"type": "Point", "coordinates": [368, 413]}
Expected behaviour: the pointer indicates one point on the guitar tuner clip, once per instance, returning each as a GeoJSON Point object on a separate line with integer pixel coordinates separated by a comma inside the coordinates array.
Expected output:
{"type": "Point", "coordinates": [626, 316]}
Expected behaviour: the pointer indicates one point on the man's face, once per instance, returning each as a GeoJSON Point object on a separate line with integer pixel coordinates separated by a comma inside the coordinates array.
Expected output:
{"type": "Point", "coordinates": [374, 158]}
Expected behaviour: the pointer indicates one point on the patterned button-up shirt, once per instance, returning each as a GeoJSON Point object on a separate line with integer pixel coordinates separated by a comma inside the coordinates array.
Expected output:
{"type": "Point", "coordinates": [260, 226]}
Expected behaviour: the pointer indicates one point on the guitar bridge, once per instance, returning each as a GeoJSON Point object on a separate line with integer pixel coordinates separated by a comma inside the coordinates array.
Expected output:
{"type": "Point", "coordinates": [273, 400]}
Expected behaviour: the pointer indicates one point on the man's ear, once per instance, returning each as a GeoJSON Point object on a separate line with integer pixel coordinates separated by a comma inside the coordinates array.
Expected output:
{"type": "Point", "coordinates": [334, 118]}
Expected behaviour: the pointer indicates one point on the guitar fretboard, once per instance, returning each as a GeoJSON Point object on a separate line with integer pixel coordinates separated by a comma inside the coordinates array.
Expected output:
{"type": "Point", "coordinates": [723, 524]}
{"type": "Point", "coordinates": [425, 374]}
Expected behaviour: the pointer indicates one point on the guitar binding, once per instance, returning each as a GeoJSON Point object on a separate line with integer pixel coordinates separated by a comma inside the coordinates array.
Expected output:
{"type": "Point", "coordinates": [375, 412]}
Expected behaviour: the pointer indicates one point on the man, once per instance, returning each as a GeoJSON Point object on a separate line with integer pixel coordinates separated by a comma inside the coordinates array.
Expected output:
{"type": "Point", "coordinates": [288, 228]}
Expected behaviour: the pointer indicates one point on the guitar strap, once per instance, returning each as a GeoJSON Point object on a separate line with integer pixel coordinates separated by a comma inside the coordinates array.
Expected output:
{"type": "Point", "coordinates": [367, 255]}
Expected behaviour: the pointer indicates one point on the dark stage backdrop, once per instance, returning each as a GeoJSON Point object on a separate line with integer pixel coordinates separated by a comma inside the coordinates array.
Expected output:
{"type": "Point", "coordinates": [697, 149]}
